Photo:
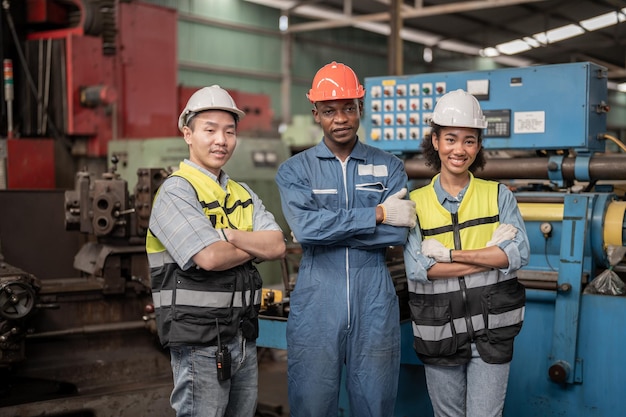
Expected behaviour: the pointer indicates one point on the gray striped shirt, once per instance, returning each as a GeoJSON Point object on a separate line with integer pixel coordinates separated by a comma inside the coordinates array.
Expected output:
{"type": "Point", "coordinates": [178, 221]}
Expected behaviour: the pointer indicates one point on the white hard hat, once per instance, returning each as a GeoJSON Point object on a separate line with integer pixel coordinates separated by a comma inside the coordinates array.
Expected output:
{"type": "Point", "coordinates": [459, 108]}
{"type": "Point", "coordinates": [208, 98]}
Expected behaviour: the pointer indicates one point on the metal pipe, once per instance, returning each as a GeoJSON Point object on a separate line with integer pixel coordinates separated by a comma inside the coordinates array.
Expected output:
{"type": "Point", "coordinates": [603, 167]}
{"type": "Point", "coordinates": [539, 285]}
{"type": "Point", "coordinates": [541, 211]}
{"type": "Point", "coordinates": [540, 296]}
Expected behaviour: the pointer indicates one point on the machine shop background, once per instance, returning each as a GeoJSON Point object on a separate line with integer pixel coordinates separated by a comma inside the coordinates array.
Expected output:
{"type": "Point", "coordinates": [91, 94]}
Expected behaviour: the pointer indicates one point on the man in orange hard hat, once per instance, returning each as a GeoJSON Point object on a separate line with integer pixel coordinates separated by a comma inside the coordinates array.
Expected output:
{"type": "Point", "coordinates": [345, 204]}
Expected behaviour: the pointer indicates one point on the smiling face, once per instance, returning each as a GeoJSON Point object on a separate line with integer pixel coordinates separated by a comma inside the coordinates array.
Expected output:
{"type": "Point", "coordinates": [457, 148]}
{"type": "Point", "coordinates": [212, 138]}
{"type": "Point", "coordinates": [339, 120]}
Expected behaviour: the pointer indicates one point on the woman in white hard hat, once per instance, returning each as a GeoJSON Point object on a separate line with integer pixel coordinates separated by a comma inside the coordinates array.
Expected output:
{"type": "Point", "coordinates": [461, 259]}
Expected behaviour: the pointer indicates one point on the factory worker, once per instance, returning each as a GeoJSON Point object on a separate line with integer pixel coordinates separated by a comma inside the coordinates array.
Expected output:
{"type": "Point", "coordinates": [205, 230]}
{"type": "Point", "coordinates": [461, 259]}
{"type": "Point", "coordinates": [345, 203]}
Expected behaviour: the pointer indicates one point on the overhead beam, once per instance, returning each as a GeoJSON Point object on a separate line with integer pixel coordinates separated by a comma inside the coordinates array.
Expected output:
{"type": "Point", "coordinates": [335, 20]}
{"type": "Point", "coordinates": [410, 35]}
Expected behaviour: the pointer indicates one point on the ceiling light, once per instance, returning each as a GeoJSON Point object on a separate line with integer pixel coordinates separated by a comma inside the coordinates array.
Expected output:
{"type": "Point", "coordinates": [621, 87]}
{"type": "Point", "coordinates": [489, 52]}
{"type": "Point", "coordinates": [283, 23]}
{"type": "Point", "coordinates": [532, 41]}
{"type": "Point", "coordinates": [542, 38]}
{"type": "Point", "coordinates": [564, 32]}
{"type": "Point", "coordinates": [599, 22]}
{"type": "Point", "coordinates": [428, 55]}
{"type": "Point", "coordinates": [513, 47]}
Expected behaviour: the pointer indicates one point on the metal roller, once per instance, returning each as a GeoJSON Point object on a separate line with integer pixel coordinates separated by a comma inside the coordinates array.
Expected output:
{"type": "Point", "coordinates": [602, 167]}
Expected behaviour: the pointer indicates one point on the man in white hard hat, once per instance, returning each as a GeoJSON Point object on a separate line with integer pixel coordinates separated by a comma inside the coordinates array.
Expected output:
{"type": "Point", "coordinates": [461, 259]}
{"type": "Point", "coordinates": [205, 231]}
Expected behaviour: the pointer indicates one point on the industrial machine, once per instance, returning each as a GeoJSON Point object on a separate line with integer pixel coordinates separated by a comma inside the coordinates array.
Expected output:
{"type": "Point", "coordinates": [104, 316]}
{"type": "Point", "coordinates": [75, 335]}
{"type": "Point", "coordinates": [77, 344]}
{"type": "Point", "coordinates": [546, 139]}
{"type": "Point", "coordinates": [82, 118]}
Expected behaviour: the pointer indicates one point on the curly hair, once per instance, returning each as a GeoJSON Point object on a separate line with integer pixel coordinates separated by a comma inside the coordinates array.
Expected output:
{"type": "Point", "coordinates": [432, 156]}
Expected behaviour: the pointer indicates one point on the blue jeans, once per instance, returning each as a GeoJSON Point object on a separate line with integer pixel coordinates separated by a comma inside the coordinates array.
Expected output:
{"type": "Point", "coordinates": [198, 393]}
{"type": "Point", "coordinates": [476, 389]}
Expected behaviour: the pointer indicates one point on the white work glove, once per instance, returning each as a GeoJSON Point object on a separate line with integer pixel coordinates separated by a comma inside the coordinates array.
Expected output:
{"type": "Point", "coordinates": [435, 249]}
{"type": "Point", "coordinates": [502, 233]}
{"type": "Point", "coordinates": [398, 211]}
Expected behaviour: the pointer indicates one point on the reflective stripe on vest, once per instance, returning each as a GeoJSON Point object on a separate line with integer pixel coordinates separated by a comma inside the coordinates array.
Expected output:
{"type": "Point", "coordinates": [496, 321]}
{"type": "Point", "coordinates": [443, 286]}
{"type": "Point", "coordinates": [193, 298]}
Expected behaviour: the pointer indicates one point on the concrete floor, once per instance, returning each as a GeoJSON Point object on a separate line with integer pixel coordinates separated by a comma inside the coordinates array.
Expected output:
{"type": "Point", "coordinates": [273, 382]}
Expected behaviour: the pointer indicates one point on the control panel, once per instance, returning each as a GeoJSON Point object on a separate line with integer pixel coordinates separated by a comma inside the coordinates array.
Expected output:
{"type": "Point", "coordinates": [549, 107]}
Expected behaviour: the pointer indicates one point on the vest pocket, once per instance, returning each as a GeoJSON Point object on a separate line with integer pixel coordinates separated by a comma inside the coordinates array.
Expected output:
{"type": "Point", "coordinates": [503, 310]}
{"type": "Point", "coordinates": [433, 328]}
{"type": "Point", "coordinates": [201, 297]}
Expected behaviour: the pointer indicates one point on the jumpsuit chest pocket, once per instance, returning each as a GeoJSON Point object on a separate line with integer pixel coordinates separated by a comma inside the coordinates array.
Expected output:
{"type": "Point", "coordinates": [368, 194]}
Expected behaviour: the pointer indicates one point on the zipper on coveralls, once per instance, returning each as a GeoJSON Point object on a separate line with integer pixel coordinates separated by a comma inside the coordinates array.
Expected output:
{"type": "Point", "coordinates": [344, 165]}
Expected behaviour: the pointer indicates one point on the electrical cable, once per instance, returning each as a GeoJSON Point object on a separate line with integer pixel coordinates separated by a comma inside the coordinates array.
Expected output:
{"type": "Point", "coordinates": [22, 58]}
{"type": "Point", "coordinates": [545, 251]}
{"type": "Point", "coordinates": [615, 141]}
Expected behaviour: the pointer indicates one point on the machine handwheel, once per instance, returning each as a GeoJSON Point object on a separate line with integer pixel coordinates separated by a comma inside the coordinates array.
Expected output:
{"type": "Point", "coordinates": [16, 300]}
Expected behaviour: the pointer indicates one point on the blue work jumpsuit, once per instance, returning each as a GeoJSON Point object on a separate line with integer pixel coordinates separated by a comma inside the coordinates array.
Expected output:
{"type": "Point", "coordinates": [344, 308]}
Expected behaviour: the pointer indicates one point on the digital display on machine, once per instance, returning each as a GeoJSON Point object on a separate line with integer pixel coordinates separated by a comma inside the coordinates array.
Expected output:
{"type": "Point", "coordinates": [499, 123]}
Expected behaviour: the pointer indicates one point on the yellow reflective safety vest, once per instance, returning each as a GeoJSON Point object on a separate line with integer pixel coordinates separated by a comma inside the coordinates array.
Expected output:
{"type": "Point", "coordinates": [194, 305]}
{"type": "Point", "coordinates": [474, 223]}
{"type": "Point", "coordinates": [485, 308]}
{"type": "Point", "coordinates": [230, 208]}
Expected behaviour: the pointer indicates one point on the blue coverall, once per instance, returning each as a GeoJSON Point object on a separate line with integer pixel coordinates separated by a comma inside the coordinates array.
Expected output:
{"type": "Point", "coordinates": [344, 308]}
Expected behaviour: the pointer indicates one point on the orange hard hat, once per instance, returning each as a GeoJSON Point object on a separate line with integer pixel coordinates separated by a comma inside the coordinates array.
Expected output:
{"type": "Point", "coordinates": [335, 81]}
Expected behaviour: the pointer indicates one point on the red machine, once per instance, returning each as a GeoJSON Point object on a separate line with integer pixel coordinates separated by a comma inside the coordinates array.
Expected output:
{"type": "Point", "coordinates": [88, 72]}
{"type": "Point", "coordinates": [77, 335]}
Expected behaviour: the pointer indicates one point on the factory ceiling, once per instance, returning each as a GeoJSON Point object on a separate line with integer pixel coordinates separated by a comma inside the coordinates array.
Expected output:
{"type": "Point", "coordinates": [485, 27]}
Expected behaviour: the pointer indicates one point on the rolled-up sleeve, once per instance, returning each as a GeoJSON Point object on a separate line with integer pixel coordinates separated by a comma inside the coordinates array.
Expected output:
{"type": "Point", "coordinates": [262, 219]}
{"type": "Point", "coordinates": [415, 263]}
{"type": "Point", "coordinates": [517, 249]}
